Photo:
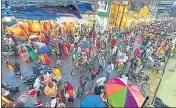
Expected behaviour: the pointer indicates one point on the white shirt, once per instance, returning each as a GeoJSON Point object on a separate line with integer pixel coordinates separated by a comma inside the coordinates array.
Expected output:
{"type": "Point", "coordinates": [84, 58]}
{"type": "Point", "coordinates": [76, 39]}
{"type": "Point", "coordinates": [79, 50]}
{"type": "Point", "coordinates": [101, 81]}
{"type": "Point", "coordinates": [11, 41]}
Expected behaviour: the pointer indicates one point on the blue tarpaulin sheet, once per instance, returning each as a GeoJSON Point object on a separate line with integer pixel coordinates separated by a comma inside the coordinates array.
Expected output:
{"type": "Point", "coordinates": [35, 14]}
{"type": "Point", "coordinates": [33, 11]}
{"type": "Point", "coordinates": [9, 24]}
{"type": "Point", "coordinates": [83, 7]}
{"type": "Point", "coordinates": [39, 17]}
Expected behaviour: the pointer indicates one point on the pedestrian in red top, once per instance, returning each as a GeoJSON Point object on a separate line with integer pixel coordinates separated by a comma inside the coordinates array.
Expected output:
{"type": "Point", "coordinates": [65, 49]}
{"type": "Point", "coordinates": [45, 41]}
{"type": "Point", "coordinates": [68, 45]}
{"type": "Point", "coordinates": [113, 42]}
{"type": "Point", "coordinates": [137, 52]}
{"type": "Point", "coordinates": [93, 36]}
{"type": "Point", "coordinates": [69, 90]}
{"type": "Point", "coordinates": [98, 44]}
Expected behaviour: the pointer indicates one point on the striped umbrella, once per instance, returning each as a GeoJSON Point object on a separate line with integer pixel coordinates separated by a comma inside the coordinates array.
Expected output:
{"type": "Point", "coordinates": [123, 93]}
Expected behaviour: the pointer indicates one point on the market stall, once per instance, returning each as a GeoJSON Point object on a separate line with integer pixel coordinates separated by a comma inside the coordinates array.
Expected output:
{"type": "Point", "coordinates": [69, 25]}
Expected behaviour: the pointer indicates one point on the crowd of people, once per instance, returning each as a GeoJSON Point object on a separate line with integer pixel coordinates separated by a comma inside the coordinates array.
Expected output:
{"type": "Point", "coordinates": [107, 51]}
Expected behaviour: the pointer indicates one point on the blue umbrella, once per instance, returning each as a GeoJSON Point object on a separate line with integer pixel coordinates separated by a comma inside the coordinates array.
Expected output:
{"type": "Point", "coordinates": [85, 44]}
{"type": "Point", "coordinates": [92, 101]}
{"type": "Point", "coordinates": [43, 49]}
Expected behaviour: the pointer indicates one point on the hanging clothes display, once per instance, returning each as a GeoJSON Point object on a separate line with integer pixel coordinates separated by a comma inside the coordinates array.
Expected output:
{"type": "Point", "coordinates": [24, 55]}
{"type": "Point", "coordinates": [31, 53]}
{"type": "Point", "coordinates": [65, 49]}
{"type": "Point", "coordinates": [46, 59]}
{"type": "Point", "coordinates": [42, 58]}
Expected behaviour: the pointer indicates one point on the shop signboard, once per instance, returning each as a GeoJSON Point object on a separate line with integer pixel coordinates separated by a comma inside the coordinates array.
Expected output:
{"type": "Point", "coordinates": [103, 14]}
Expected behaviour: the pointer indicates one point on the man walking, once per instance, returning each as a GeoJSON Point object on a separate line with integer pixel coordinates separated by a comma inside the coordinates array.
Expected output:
{"type": "Point", "coordinates": [108, 71]}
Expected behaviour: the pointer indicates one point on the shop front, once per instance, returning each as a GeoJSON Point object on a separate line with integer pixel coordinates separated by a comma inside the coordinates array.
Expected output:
{"type": "Point", "coordinates": [121, 17]}
{"type": "Point", "coordinates": [103, 15]}
{"type": "Point", "coordinates": [117, 14]}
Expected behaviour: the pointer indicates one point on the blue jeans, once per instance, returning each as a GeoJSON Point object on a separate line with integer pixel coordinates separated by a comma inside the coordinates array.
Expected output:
{"type": "Point", "coordinates": [82, 90]}
{"type": "Point", "coordinates": [99, 69]}
{"type": "Point", "coordinates": [108, 75]}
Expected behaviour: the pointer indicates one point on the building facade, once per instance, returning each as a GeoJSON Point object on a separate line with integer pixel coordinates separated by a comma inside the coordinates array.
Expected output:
{"type": "Point", "coordinates": [102, 17]}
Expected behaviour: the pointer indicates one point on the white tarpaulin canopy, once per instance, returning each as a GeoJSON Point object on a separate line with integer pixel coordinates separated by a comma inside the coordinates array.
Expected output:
{"type": "Point", "coordinates": [33, 36]}
{"type": "Point", "coordinates": [71, 19]}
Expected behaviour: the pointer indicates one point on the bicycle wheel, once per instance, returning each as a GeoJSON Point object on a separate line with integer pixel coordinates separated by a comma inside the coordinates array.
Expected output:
{"type": "Point", "coordinates": [74, 72]}
{"type": "Point", "coordinates": [145, 87]}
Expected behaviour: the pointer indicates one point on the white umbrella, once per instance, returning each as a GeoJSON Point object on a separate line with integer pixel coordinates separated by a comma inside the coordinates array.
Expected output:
{"type": "Point", "coordinates": [39, 44]}
{"type": "Point", "coordinates": [101, 81]}
{"type": "Point", "coordinates": [33, 36]}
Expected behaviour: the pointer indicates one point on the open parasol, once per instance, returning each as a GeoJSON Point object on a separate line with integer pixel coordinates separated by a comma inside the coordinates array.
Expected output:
{"type": "Point", "coordinates": [123, 93]}
{"type": "Point", "coordinates": [43, 49]}
{"type": "Point", "coordinates": [92, 101]}
{"type": "Point", "coordinates": [85, 44]}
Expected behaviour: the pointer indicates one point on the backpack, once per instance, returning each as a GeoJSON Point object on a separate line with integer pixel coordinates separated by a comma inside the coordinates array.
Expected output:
{"type": "Point", "coordinates": [83, 80]}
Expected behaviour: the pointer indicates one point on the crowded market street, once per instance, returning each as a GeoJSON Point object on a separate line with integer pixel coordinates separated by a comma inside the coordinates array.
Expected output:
{"type": "Point", "coordinates": [84, 54]}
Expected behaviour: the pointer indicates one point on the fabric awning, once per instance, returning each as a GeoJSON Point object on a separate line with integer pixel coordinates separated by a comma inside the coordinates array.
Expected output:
{"type": "Point", "coordinates": [9, 24]}
{"type": "Point", "coordinates": [84, 8]}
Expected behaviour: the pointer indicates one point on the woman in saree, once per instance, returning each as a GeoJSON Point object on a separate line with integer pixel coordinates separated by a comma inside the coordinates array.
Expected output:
{"type": "Point", "coordinates": [23, 54]}
{"type": "Point", "coordinates": [70, 91]}
{"type": "Point", "coordinates": [75, 53]}
{"type": "Point", "coordinates": [29, 96]}
{"type": "Point", "coordinates": [65, 49]}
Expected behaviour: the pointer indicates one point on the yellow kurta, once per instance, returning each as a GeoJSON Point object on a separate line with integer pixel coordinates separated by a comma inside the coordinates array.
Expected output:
{"type": "Point", "coordinates": [56, 73]}
{"type": "Point", "coordinates": [11, 68]}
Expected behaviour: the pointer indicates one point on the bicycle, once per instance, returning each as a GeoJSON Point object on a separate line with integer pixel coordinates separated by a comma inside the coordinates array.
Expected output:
{"type": "Point", "coordinates": [76, 69]}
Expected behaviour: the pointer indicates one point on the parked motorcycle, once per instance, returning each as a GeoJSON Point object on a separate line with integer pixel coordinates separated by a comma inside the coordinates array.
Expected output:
{"type": "Point", "coordinates": [29, 80]}
{"type": "Point", "coordinates": [157, 64]}
{"type": "Point", "coordinates": [10, 88]}
{"type": "Point", "coordinates": [158, 58]}
{"type": "Point", "coordinates": [16, 66]}
{"type": "Point", "coordinates": [140, 78]}
{"type": "Point", "coordinates": [7, 94]}
{"type": "Point", "coordinates": [7, 50]}
{"type": "Point", "coordinates": [45, 68]}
